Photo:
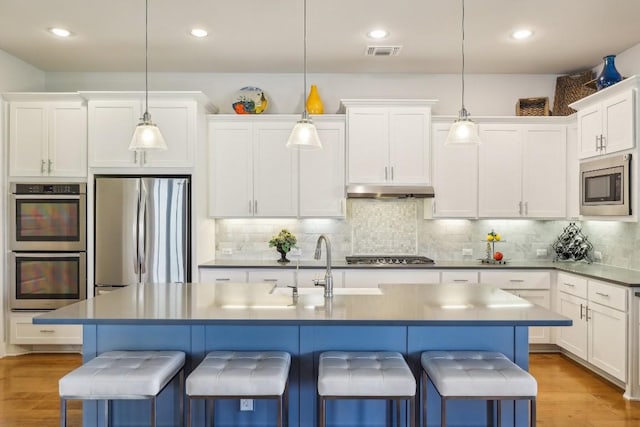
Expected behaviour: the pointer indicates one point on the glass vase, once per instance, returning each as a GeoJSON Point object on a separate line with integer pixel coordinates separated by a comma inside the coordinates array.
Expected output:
{"type": "Point", "coordinates": [314, 102]}
{"type": "Point", "coordinates": [609, 74]}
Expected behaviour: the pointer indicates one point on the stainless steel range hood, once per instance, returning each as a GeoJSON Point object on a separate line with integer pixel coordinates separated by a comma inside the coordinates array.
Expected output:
{"type": "Point", "coordinates": [373, 191]}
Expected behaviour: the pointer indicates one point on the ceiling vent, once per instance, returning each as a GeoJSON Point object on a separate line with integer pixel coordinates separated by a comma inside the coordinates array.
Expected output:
{"type": "Point", "coordinates": [382, 50]}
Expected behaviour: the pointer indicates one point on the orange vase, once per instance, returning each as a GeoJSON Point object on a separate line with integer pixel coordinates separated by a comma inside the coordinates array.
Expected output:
{"type": "Point", "coordinates": [314, 103]}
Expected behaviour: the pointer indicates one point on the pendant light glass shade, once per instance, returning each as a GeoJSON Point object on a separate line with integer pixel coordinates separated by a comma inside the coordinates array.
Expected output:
{"type": "Point", "coordinates": [463, 130]}
{"type": "Point", "coordinates": [304, 135]}
{"type": "Point", "coordinates": [147, 136]}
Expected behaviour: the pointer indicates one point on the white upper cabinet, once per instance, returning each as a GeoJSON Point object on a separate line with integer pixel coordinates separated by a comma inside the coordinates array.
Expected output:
{"type": "Point", "coordinates": [607, 119]}
{"type": "Point", "coordinates": [544, 171]}
{"type": "Point", "coordinates": [388, 141]}
{"type": "Point", "coordinates": [47, 135]}
{"type": "Point", "coordinates": [455, 176]}
{"type": "Point", "coordinates": [113, 117]}
{"type": "Point", "coordinates": [251, 172]}
{"type": "Point", "coordinates": [522, 171]}
{"type": "Point", "coordinates": [500, 171]}
{"type": "Point", "coordinates": [322, 184]}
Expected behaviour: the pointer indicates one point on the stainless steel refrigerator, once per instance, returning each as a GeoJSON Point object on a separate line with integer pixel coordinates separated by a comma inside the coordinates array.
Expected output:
{"type": "Point", "coordinates": [142, 230]}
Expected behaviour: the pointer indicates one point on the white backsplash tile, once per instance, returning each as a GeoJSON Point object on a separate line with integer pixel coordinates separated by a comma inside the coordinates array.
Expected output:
{"type": "Point", "coordinates": [396, 227]}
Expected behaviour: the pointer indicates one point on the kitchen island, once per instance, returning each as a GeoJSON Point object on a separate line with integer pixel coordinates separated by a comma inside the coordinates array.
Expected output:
{"type": "Point", "coordinates": [198, 318]}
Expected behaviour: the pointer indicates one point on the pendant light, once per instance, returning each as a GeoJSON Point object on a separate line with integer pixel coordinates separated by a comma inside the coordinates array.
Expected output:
{"type": "Point", "coordinates": [304, 135]}
{"type": "Point", "coordinates": [147, 136]}
{"type": "Point", "coordinates": [463, 130]}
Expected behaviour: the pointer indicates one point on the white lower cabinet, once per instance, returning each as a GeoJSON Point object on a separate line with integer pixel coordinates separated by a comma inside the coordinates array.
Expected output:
{"type": "Point", "coordinates": [372, 278]}
{"type": "Point", "coordinates": [218, 275]}
{"type": "Point", "coordinates": [599, 313]}
{"type": "Point", "coordinates": [279, 277]}
{"type": "Point", "coordinates": [459, 276]}
{"type": "Point", "coordinates": [23, 331]}
{"type": "Point", "coordinates": [533, 286]}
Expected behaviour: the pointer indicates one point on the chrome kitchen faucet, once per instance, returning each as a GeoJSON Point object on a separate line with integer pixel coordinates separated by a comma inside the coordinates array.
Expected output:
{"type": "Point", "coordinates": [328, 278]}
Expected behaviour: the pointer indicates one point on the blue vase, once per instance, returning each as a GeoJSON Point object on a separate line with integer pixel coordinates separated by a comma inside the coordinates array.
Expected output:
{"type": "Point", "coordinates": [609, 75]}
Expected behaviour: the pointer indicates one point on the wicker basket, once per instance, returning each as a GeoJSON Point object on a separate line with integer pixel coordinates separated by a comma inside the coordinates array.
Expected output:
{"type": "Point", "coordinates": [570, 89]}
{"type": "Point", "coordinates": [533, 107]}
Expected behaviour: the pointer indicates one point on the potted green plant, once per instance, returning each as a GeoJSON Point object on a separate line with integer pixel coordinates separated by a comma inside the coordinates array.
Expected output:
{"type": "Point", "coordinates": [284, 242]}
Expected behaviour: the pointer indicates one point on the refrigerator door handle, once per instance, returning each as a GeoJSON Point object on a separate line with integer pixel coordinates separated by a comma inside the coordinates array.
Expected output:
{"type": "Point", "coordinates": [134, 232]}
{"type": "Point", "coordinates": [142, 224]}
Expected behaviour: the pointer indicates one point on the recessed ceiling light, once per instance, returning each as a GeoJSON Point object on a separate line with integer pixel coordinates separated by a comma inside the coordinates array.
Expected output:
{"type": "Point", "coordinates": [377, 34]}
{"type": "Point", "coordinates": [60, 32]}
{"type": "Point", "coordinates": [522, 34]}
{"type": "Point", "coordinates": [199, 32]}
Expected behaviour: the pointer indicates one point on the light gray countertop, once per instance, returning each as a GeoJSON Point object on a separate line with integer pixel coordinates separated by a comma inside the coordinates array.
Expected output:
{"type": "Point", "coordinates": [617, 275]}
{"type": "Point", "coordinates": [263, 303]}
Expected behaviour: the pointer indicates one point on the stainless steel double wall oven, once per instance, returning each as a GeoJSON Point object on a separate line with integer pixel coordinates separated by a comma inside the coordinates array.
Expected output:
{"type": "Point", "coordinates": [48, 245]}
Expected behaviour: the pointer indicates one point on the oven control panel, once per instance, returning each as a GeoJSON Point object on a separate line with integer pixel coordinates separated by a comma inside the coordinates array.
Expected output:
{"type": "Point", "coordinates": [77, 188]}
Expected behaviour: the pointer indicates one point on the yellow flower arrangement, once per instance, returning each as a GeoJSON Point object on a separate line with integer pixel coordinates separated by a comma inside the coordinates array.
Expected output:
{"type": "Point", "coordinates": [283, 241]}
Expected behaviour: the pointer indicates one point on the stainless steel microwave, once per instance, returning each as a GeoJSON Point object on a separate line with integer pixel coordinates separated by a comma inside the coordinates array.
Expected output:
{"type": "Point", "coordinates": [605, 186]}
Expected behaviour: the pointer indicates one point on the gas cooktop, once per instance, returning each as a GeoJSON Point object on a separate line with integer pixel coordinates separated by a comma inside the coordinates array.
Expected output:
{"type": "Point", "coordinates": [388, 259]}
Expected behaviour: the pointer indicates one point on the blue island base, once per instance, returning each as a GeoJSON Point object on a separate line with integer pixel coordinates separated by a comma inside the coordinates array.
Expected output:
{"type": "Point", "coordinates": [304, 343]}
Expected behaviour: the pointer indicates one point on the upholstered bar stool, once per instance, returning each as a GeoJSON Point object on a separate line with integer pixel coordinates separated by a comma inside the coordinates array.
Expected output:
{"type": "Point", "coordinates": [241, 375]}
{"type": "Point", "coordinates": [482, 375]}
{"type": "Point", "coordinates": [365, 375]}
{"type": "Point", "coordinates": [123, 375]}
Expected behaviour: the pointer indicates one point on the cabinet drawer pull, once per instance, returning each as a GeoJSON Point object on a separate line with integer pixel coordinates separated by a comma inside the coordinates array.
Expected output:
{"type": "Point", "coordinates": [581, 315]}
{"type": "Point", "coordinates": [460, 280]}
{"type": "Point", "coordinates": [223, 279]}
{"type": "Point", "coordinates": [42, 166]}
{"type": "Point", "coordinates": [47, 331]}
{"type": "Point", "coordinates": [602, 295]}
{"type": "Point", "coordinates": [386, 175]}
{"type": "Point", "coordinates": [269, 280]}
{"type": "Point", "coordinates": [392, 173]}
{"type": "Point", "coordinates": [516, 280]}
{"type": "Point", "coordinates": [50, 166]}
{"type": "Point", "coordinates": [255, 207]}
{"type": "Point", "coordinates": [569, 284]}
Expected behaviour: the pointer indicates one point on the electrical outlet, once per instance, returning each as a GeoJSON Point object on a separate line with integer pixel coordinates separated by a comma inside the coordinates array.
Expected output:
{"type": "Point", "coordinates": [227, 251]}
{"type": "Point", "coordinates": [541, 252]}
{"type": "Point", "coordinates": [246, 404]}
{"type": "Point", "coordinates": [467, 252]}
{"type": "Point", "coordinates": [597, 255]}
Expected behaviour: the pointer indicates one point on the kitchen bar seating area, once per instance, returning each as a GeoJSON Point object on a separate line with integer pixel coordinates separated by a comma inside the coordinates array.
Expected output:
{"type": "Point", "coordinates": [410, 319]}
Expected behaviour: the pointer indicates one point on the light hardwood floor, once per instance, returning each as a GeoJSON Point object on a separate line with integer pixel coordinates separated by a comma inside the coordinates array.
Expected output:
{"type": "Point", "coordinates": [569, 395]}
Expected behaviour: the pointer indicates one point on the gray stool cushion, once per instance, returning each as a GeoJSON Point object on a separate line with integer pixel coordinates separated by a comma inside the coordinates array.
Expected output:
{"type": "Point", "coordinates": [240, 373]}
{"type": "Point", "coordinates": [122, 374]}
{"type": "Point", "coordinates": [364, 374]}
{"type": "Point", "coordinates": [477, 374]}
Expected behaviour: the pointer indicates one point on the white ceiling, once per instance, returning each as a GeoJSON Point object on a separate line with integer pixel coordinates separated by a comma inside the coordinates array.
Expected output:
{"type": "Point", "coordinates": [264, 36]}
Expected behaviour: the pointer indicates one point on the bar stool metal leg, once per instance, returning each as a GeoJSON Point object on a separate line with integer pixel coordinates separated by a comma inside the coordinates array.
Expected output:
{"type": "Point", "coordinates": [499, 416]}
{"type": "Point", "coordinates": [443, 410]}
{"type": "Point", "coordinates": [153, 412]}
{"type": "Point", "coordinates": [107, 403]}
{"type": "Point", "coordinates": [63, 412]}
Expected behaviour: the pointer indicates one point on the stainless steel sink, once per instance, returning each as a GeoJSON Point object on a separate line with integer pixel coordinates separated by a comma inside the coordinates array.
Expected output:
{"type": "Point", "coordinates": [320, 291]}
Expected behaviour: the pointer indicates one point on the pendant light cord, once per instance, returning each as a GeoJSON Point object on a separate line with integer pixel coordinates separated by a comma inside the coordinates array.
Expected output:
{"type": "Point", "coordinates": [462, 76]}
{"type": "Point", "coordinates": [304, 54]}
{"type": "Point", "coordinates": [146, 58]}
